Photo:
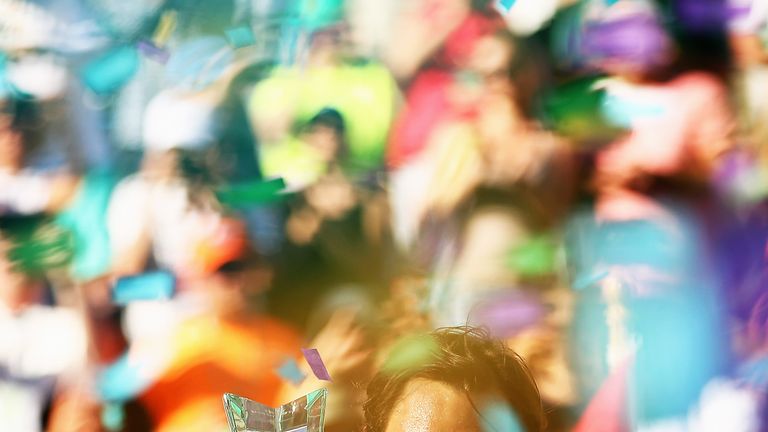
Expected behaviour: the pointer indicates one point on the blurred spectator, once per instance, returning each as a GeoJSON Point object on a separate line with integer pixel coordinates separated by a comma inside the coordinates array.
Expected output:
{"type": "Point", "coordinates": [679, 126]}
{"type": "Point", "coordinates": [78, 202]}
{"type": "Point", "coordinates": [235, 347]}
{"type": "Point", "coordinates": [586, 185]}
{"type": "Point", "coordinates": [43, 353]}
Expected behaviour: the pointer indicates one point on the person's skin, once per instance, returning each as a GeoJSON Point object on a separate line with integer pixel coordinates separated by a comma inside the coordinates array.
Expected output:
{"type": "Point", "coordinates": [748, 50]}
{"type": "Point", "coordinates": [10, 146]}
{"type": "Point", "coordinates": [433, 406]}
{"type": "Point", "coordinates": [422, 27]}
{"type": "Point", "coordinates": [325, 140]}
{"type": "Point", "coordinates": [63, 186]}
{"type": "Point", "coordinates": [17, 291]}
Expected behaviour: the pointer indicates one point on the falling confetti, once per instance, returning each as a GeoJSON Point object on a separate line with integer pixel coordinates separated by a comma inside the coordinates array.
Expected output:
{"type": "Point", "coordinates": [316, 363]}
{"type": "Point", "coordinates": [290, 371]}
{"type": "Point", "coordinates": [153, 52]}
{"type": "Point", "coordinates": [240, 37]}
{"type": "Point", "coordinates": [506, 5]}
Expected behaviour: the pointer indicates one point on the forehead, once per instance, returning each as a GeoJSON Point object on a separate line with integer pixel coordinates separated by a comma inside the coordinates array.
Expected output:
{"type": "Point", "coordinates": [431, 406]}
{"type": "Point", "coordinates": [491, 53]}
{"type": "Point", "coordinates": [5, 120]}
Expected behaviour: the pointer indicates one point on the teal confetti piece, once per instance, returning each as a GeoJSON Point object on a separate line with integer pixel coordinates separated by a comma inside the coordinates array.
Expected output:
{"type": "Point", "coordinates": [585, 281]}
{"type": "Point", "coordinates": [623, 112]}
{"type": "Point", "coordinates": [290, 371]}
{"type": "Point", "coordinates": [498, 417]}
{"type": "Point", "coordinates": [157, 285]}
{"type": "Point", "coordinates": [316, 395]}
{"type": "Point", "coordinates": [113, 417]}
{"type": "Point", "coordinates": [122, 381]}
{"type": "Point", "coordinates": [111, 71]}
{"type": "Point", "coordinates": [506, 5]}
{"type": "Point", "coordinates": [240, 37]}
{"type": "Point", "coordinates": [5, 86]}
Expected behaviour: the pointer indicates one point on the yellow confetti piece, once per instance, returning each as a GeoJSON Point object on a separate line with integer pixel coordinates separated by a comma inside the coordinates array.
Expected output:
{"type": "Point", "coordinates": [165, 28]}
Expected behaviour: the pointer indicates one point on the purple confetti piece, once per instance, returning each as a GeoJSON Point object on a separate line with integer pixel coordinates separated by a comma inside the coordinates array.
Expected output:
{"type": "Point", "coordinates": [316, 363]}
{"type": "Point", "coordinates": [155, 53]}
{"type": "Point", "coordinates": [638, 39]}
{"type": "Point", "coordinates": [508, 314]}
{"type": "Point", "coordinates": [701, 14]}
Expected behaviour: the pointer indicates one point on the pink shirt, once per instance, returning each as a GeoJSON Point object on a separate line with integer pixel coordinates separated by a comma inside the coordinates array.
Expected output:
{"type": "Point", "coordinates": [675, 127]}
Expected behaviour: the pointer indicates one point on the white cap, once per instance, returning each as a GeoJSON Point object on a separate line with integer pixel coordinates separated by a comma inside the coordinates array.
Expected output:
{"type": "Point", "coordinates": [41, 77]}
{"type": "Point", "coordinates": [176, 121]}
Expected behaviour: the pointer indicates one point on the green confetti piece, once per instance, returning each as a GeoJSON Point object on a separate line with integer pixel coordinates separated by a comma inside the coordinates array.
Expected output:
{"type": "Point", "coordinates": [576, 110]}
{"type": "Point", "coordinates": [536, 257]}
{"type": "Point", "coordinates": [410, 352]}
{"type": "Point", "coordinates": [37, 244]}
{"type": "Point", "coordinates": [246, 194]}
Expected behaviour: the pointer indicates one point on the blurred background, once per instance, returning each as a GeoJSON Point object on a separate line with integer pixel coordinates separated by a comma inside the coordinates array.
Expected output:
{"type": "Point", "coordinates": [193, 190]}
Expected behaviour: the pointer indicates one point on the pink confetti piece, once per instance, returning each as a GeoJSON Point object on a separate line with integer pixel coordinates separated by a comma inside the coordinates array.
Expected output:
{"type": "Point", "coordinates": [316, 363]}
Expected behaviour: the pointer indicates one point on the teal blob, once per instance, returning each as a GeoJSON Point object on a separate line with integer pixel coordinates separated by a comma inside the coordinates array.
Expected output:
{"type": "Point", "coordinates": [110, 72]}
{"type": "Point", "coordinates": [113, 417]}
{"type": "Point", "coordinates": [506, 5]}
{"type": "Point", "coordinates": [624, 112]}
{"type": "Point", "coordinates": [316, 14]}
{"type": "Point", "coordinates": [5, 86]}
{"type": "Point", "coordinates": [157, 285]}
{"type": "Point", "coordinates": [499, 417]}
{"type": "Point", "coordinates": [86, 218]}
{"type": "Point", "coordinates": [240, 37]}
{"type": "Point", "coordinates": [121, 381]}
{"type": "Point", "coordinates": [290, 371]}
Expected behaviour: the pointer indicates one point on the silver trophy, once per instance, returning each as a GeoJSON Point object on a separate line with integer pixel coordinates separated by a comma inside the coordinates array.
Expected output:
{"type": "Point", "coordinates": [305, 414]}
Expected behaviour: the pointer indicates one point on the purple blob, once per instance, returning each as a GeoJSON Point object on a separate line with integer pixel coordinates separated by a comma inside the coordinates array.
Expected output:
{"type": "Point", "coordinates": [638, 39]}
{"type": "Point", "coordinates": [151, 51]}
{"type": "Point", "coordinates": [316, 363]}
{"type": "Point", "coordinates": [702, 14]}
{"type": "Point", "coordinates": [506, 315]}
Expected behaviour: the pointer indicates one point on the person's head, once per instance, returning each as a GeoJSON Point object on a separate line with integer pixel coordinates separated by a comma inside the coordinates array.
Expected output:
{"type": "Point", "coordinates": [180, 129]}
{"type": "Point", "coordinates": [459, 385]}
{"type": "Point", "coordinates": [325, 134]}
{"type": "Point", "coordinates": [19, 125]}
{"type": "Point", "coordinates": [228, 269]}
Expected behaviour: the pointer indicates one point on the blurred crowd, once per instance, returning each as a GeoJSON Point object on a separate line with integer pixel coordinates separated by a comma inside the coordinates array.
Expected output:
{"type": "Point", "coordinates": [191, 191]}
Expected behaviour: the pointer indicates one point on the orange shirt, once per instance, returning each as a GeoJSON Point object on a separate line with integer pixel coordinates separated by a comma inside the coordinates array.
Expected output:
{"type": "Point", "coordinates": [216, 356]}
